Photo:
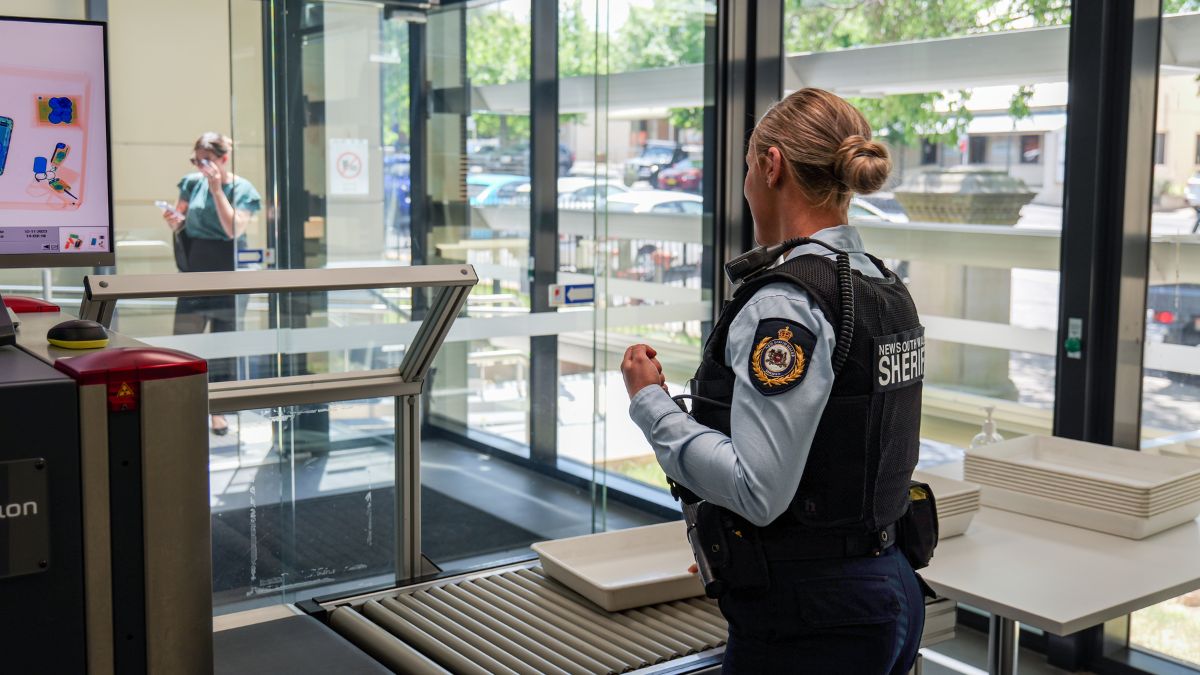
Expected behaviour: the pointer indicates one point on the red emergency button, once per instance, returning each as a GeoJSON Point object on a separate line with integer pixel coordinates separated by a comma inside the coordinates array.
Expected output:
{"type": "Point", "coordinates": [130, 365]}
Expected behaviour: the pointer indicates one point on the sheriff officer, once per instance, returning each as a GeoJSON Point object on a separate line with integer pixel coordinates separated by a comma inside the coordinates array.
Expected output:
{"type": "Point", "coordinates": [803, 431]}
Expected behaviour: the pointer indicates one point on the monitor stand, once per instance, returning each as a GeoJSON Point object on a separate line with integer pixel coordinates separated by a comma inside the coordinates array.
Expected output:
{"type": "Point", "coordinates": [8, 332]}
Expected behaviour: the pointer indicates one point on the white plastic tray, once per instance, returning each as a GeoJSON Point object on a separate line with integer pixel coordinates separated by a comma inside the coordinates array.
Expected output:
{"type": "Point", "coordinates": [946, 490]}
{"type": "Point", "coordinates": [626, 568]}
{"type": "Point", "coordinates": [1120, 524]}
{"type": "Point", "coordinates": [1064, 491]}
{"type": "Point", "coordinates": [954, 525]}
{"type": "Point", "coordinates": [1135, 472]}
{"type": "Point", "coordinates": [975, 466]}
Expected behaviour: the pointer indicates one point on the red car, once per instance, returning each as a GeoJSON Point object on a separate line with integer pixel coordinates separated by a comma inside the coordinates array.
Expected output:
{"type": "Point", "coordinates": [685, 175]}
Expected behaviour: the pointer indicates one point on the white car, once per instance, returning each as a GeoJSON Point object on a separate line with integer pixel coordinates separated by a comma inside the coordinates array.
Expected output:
{"type": "Point", "coordinates": [581, 192]}
{"type": "Point", "coordinates": [864, 210]}
{"type": "Point", "coordinates": [656, 201]}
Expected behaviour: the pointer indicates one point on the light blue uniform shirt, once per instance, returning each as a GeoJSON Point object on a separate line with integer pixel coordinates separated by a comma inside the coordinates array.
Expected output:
{"type": "Point", "coordinates": [756, 471]}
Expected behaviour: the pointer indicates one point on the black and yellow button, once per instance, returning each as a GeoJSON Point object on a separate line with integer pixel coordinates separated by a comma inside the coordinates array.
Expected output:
{"type": "Point", "coordinates": [78, 334]}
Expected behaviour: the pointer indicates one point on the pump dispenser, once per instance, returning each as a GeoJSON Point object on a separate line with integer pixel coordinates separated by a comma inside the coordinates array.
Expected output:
{"type": "Point", "coordinates": [988, 436]}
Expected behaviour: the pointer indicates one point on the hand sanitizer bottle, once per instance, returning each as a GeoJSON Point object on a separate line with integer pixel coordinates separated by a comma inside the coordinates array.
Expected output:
{"type": "Point", "coordinates": [988, 436]}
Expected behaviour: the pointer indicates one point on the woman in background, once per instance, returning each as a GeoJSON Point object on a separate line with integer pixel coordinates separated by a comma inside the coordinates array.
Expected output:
{"type": "Point", "coordinates": [210, 216]}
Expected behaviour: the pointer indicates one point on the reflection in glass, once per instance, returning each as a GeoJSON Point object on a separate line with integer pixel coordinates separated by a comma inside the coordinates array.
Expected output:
{"type": "Point", "coordinates": [977, 144]}
{"type": "Point", "coordinates": [1171, 379]}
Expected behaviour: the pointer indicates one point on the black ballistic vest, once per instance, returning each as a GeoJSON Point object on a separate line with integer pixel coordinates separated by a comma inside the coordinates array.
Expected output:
{"type": "Point", "coordinates": [868, 437]}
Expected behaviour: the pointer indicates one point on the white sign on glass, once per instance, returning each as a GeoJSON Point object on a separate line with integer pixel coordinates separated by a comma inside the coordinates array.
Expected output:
{"type": "Point", "coordinates": [347, 172]}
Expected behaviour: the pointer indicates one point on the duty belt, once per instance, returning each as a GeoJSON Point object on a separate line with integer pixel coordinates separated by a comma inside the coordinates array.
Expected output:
{"type": "Point", "coordinates": [779, 546]}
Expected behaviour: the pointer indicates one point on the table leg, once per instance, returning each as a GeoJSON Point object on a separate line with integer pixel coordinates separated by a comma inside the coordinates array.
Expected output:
{"type": "Point", "coordinates": [1003, 645]}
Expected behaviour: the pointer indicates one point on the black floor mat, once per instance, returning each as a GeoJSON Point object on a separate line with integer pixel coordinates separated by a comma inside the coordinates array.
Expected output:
{"type": "Point", "coordinates": [344, 537]}
{"type": "Point", "coordinates": [297, 644]}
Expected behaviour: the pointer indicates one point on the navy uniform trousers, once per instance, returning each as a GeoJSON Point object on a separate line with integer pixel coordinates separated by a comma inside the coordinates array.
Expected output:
{"type": "Point", "coordinates": [859, 616]}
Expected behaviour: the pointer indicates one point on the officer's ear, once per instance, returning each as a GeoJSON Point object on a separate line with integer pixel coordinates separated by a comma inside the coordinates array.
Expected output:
{"type": "Point", "coordinates": [774, 168]}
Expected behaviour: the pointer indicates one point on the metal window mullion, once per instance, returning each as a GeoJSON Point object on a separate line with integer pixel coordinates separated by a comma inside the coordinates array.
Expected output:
{"type": "Point", "coordinates": [543, 241]}
{"type": "Point", "coordinates": [1113, 78]}
{"type": "Point", "coordinates": [1113, 75]}
{"type": "Point", "coordinates": [748, 80]}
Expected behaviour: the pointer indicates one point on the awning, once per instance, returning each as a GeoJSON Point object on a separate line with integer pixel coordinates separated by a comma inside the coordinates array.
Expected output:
{"type": "Point", "coordinates": [1003, 124]}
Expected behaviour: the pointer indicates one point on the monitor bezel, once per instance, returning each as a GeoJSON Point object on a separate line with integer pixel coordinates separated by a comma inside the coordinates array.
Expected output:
{"type": "Point", "coordinates": [89, 259]}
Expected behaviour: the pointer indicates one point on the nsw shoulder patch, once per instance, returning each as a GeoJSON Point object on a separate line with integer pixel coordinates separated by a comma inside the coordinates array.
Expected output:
{"type": "Point", "coordinates": [780, 357]}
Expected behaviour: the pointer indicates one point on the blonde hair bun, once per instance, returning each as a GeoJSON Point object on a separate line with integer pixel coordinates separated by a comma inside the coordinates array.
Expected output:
{"type": "Point", "coordinates": [861, 164]}
{"type": "Point", "coordinates": [826, 143]}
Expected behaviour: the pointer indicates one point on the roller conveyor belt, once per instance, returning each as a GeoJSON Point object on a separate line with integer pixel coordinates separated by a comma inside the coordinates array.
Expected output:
{"type": "Point", "coordinates": [517, 621]}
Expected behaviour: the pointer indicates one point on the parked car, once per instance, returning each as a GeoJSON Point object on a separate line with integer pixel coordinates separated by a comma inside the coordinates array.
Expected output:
{"type": "Point", "coordinates": [655, 156]}
{"type": "Point", "coordinates": [1192, 194]}
{"type": "Point", "coordinates": [397, 188]}
{"type": "Point", "coordinates": [514, 159]}
{"type": "Point", "coordinates": [656, 201]}
{"type": "Point", "coordinates": [1173, 317]}
{"type": "Point", "coordinates": [586, 193]}
{"type": "Point", "coordinates": [861, 209]}
{"type": "Point", "coordinates": [686, 175]}
{"type": "Point", "coordinates": [496, 189]}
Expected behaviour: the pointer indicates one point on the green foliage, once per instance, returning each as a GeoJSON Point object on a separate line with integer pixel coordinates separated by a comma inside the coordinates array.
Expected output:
{"type": "Point", "coordinates": [664, 35]}
{"type": "Point", "coordinates": [660, 35]}
{"type": "Point", "coordinates": [823, 25]}
{"type": "Point", "coordinates": [395, 85]}
{"type": "Point", "coordinates": [497, 47]}
{"type": "Point", "coordinates": [579, 51]}
{"type": "Point", "coordinates": [1018, 107]}
{"type": "Point", "coordinates": [1177, 6]}
{"type": "Point", "coordinates": [906, 118]}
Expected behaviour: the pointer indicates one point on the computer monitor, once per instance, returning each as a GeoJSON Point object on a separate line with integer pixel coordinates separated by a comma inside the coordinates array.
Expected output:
{"type": "Point", "coordinates": [55, 180]}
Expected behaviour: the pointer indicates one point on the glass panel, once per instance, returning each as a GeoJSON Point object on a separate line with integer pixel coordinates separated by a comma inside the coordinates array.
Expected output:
{"type": "Point", "coordinates": [480, 155]}
{"type": "Point", "coordinates": [302, 503]}
{"type": "Point", "coordinates": [633, 114]}
{"type": "Point", "coordinates": [991, 111]}
{"type": "Point", "coordinates": [1171, 381]}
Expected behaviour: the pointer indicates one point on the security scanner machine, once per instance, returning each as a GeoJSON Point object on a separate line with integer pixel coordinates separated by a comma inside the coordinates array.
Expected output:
{"type": "Point", "coordinates": [107, 523]}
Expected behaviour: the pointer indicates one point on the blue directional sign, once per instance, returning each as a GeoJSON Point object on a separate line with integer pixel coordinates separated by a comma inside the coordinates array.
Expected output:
{"type": "Point", "coordinates": [562, 295]}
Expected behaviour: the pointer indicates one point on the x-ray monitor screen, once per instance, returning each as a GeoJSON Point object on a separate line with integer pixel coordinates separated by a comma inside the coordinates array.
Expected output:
{"type": "Point", "coordinates": [55, 187]}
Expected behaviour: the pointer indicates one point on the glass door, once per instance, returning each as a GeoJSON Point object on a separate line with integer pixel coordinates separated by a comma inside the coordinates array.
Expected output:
{"type": "Point", "coordinates": [634, 110]}
{"type": "Point", "coordinates": [303, 496]}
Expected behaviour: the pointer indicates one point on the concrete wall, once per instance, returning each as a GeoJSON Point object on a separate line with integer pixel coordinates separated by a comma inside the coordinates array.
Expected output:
{"type": "Point", "coordinates": [48, 9]}
{"type": "Point", "coordinates": [170, 82]}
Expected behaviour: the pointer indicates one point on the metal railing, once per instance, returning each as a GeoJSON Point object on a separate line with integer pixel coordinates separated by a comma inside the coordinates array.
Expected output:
{"type": "Point", "coordinates": [405, 384]}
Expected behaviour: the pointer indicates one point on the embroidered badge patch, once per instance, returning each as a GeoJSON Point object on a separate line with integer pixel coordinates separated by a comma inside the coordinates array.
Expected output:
{"type": "Point", "coordinates": [779, 360]}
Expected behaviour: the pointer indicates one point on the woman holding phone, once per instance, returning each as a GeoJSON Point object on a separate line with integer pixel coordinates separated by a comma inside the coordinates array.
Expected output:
{"type": "Point", "coordinates": [210, 216]}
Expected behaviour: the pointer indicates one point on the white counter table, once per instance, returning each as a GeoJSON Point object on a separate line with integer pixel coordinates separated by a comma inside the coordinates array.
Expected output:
{"type": "Point", "coordinates": [1056, 577]}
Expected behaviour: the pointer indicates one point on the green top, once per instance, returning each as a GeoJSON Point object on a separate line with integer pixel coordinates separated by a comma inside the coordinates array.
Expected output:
{"type": "Point", "coordinates": [202, 221]}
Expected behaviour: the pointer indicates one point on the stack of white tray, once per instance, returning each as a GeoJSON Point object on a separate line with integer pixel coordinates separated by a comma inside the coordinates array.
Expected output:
{"type": "Point", "coordinates": [957, 501]}
{"type": "Point", "coordinates": [940, 620]}
{"type": "Point", "coordinates": [1122, 492]}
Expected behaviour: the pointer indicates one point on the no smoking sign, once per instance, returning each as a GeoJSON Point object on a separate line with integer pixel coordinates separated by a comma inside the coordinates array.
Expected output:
{"type": "Point", "coordinates": [349, 165]}
{"type": "Point", "coordinates": [348, 171]}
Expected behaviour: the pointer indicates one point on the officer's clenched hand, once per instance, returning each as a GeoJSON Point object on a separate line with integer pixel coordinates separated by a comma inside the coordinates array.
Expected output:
{"type": "Point", "coordinates": [641, 369]}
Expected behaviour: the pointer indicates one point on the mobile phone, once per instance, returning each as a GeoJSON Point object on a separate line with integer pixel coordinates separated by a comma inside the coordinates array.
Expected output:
{"type": "Point", "coordinates": [166, 206]}
{"type": "Point", "coordinates": [6, 127]}
{"type": "Point", "coordinates": [59, 155]}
